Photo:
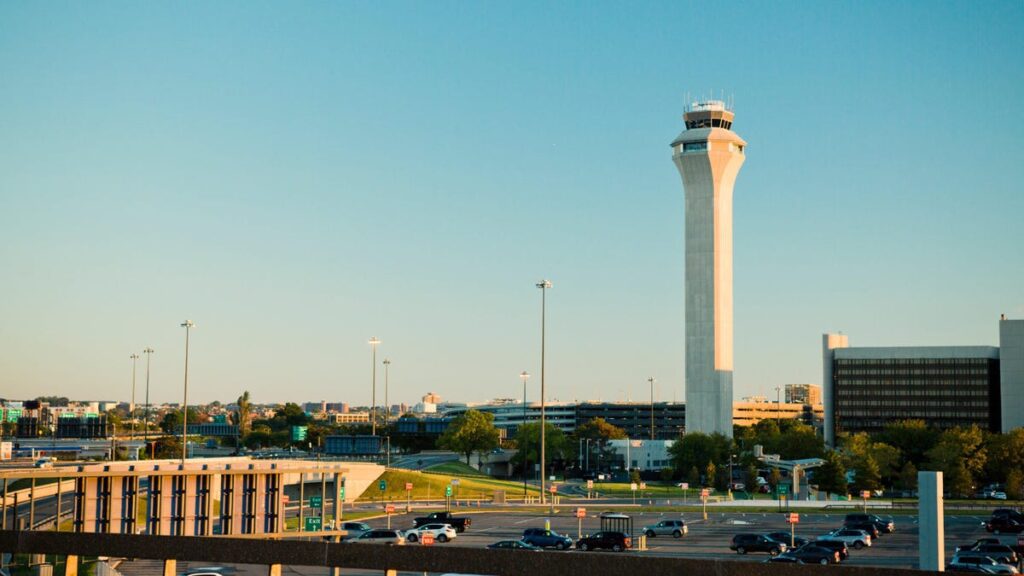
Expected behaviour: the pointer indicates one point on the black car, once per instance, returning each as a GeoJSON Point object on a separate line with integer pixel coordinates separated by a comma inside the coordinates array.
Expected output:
{"type": "Point", "coordinates": [881, 524]}
{"type": "Point", "coordinates": [743, 543]}
{"type": "Point", "coordinates": [784, 537]}
{"type": "Point", "coordinates": [1015, 514]}
{"type": "Point", "coordinates": [837, 545]}
{"type": "Point", "coordinates": [546, 538]}
{"type": "Point", "coordinates": [814, 555]}
{"type": "Point", "coordinates": [1004, 525]}
{"type": "Point", "coordinates": [999, 552]}
{"type": "Point", "coordinates": [784, 559]}
{"type": "Point", "coordinates": [514, 545]}
{"type": "Point", "coordinates": [615, 541]}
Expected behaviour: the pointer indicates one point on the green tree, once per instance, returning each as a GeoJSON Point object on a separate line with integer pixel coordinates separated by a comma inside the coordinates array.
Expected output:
{"type": "Point", "coordinates": [750, 478]}
{"type": "Point", "coordinates": [697, 449]}
{"type": "Point", "coordinates": [1015, 484]}
{"type": "Point", "coordinates": [595, 434]}
{"type": "Point", "coordinates": [244, 410]}
{"type": "Point", "coordinates": [710, 474]}
{"type": "Point", "coordinates": [472, 431]}
{"type": "Point", "coordinates": [556, 445]}
{"type": "Point", "coordinates": [693, 477]}
{"type": "Point", "coordinates": [1005, 454]}
{"type": "Point", "coordinates": [774, 479]}
{"type": "Point", "coordinates": [907, 479]}
{"type": "Point", "coordinates": [634, 476]}
{"type": "Point", "coordinates": [866, 474]}
{"type": "Point", "coordinates": [960, 456]}
{"type": "Point", "coordinates": [831, 476]}
{"type": "Point", "coordinates": [666, 474]}
{"type": "Point", "coordinates": [913, 438]}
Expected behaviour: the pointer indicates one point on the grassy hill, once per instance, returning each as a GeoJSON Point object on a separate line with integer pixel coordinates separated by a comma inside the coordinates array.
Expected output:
{"type": "Point", "coordinates": [432, 485]}
{"type": "Point", "coordinates": [456, 468]}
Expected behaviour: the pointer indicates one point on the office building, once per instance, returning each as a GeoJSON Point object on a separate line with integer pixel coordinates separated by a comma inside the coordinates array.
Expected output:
{"type": "Point", "coordinates": [803, 394]}
{"type": "Point", "coordinates": [945, 386]}
{"type": "Point", "coordinates": [709, 155]}
{"type": "Point", "coordinates": [752, 410]}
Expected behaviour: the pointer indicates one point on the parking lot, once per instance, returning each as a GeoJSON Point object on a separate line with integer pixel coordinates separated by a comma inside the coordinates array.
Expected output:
{"type": "Point", "coordinates": [709, 539]}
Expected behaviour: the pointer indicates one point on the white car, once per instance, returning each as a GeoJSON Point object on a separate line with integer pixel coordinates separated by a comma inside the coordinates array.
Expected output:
{"type": "Point", "coordinates": [853, 538]}
{"type": "Point", "coordinates": [441, 532]}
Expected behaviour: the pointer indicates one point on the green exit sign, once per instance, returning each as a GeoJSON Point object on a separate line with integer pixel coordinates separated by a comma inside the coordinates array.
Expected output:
{"type": "Point", "coordinates": [316, 501]}
{"type": "Point", "coordinates": [383, 485]}
{"type": "Point", "coordinates": [313, 524]}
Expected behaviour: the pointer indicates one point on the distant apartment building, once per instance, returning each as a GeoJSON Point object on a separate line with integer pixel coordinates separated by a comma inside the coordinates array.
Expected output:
{"type": "Point", "coordinates": [945, 386]}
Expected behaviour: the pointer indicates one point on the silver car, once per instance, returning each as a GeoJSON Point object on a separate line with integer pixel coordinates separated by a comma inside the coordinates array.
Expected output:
{"type": "Point", "coordinates": [673, 528]}
{"type": "Point", "coordinates": [393, 537]}
{"type": "Point", "coordinates": [354, 529]}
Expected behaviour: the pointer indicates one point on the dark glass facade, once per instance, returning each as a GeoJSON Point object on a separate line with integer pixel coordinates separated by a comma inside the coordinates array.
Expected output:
{"type": "Point", "coordinates": [635, 419]}
{"type": "Point", "coordinates": [944, 392]}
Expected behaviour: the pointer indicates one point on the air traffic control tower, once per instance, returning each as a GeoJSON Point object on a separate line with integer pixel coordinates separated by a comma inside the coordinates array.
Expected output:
{"type": "Point", "coordinates": [709, 156]}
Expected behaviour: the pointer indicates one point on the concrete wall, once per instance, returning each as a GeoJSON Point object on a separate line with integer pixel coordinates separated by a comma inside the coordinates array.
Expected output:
{"type": "Point", "coordinates": [829, 343]}
{"type": "Point", "coordinates": [1011, 373]}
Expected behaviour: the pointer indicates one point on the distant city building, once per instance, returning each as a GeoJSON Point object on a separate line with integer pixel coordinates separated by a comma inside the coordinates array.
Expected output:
{"type": "Point", "coordinates": [83, 427]}
{"type": "Point", "coordinates": [752, 410]}
{"type": "Point", "coordinates": [431, 398]}
{"type": "Point", "coordinates": [633, 417]}
{"type": "Point", "coordinates": [803, 394]}
{"type": "Point", "coordinates": [946, 386]}
{"type": "Point", "coordinates": [709, 155]}
{"type": "Point", "coordinates": [350, 418]}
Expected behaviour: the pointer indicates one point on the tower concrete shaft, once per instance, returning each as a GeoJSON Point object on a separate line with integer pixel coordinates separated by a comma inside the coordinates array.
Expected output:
{"type": "Point", "coordinates": [708, 155]}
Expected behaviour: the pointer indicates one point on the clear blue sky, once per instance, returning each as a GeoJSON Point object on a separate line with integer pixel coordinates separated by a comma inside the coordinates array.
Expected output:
{"type": "Point", "coordinates": [298, 177]}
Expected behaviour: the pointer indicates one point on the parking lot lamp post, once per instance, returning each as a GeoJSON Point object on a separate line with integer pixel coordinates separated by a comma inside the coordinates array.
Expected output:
{"type": "Point", "coordinates": [778, 404]}
{"type": "Point", "coordinates": [135, 360]}
{"type": "Point", "coordinates": [387, 411]}
{"type": "Point", "coordinates": [524, 376]}
{"type": "Point", "coordinates": [187, 325]}
{"type": "Point", "coordinates": [544, 285]}
{"type": "Point", "coordinates": [373, 384]}
{"type": "Point", "coordinates": [149, 354]}
{"type": "Point", "coordinates": [651, 381]}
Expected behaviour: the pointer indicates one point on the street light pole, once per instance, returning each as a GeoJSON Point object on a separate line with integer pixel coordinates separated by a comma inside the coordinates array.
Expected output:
{"type": "Point", "coordinates": [373, 395]}
{"type": "Point", "coordinates": [651, 380]}
{"type": "Point", "coordinates": [187, 325]}
{"type": "Point", "coordinates": [135, 359]}
{"type": "Point", "coordinates": [544, 285]}
{"type": "Point", "coordinates": [149, 354]}
{"type": "Point", "coordinates": [524, 376]}
{"type": "Point", "coordinates": [778, 405]}
{"type": "Point", "coordinates": [387, 412]}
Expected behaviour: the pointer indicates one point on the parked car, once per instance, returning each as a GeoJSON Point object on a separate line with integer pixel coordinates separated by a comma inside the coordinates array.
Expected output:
{"type": "Point", "coordinates": [546, 538]}
{"type": "Point", "coordinates": [460, 524]}
{"type": "Point", "coordinates": [784, 537]}
{"type": "Point", "coordinates": [997, 495]}
{"type": "Point", "coordinates": [615, 541]}
{"type": "Point", "coordinates": [814, 555]}
{"type": "Point", "coordinates": [1005, 524]}
{"type": "Point", "coordinates": [743, 543]}
{"type": "Point", "coordinates": [673, 528]}
{"type": "Point", "coordinates": [784, 559]}
{"type": "Point", "coordinates": [979, 560]}
{"type": "Point", "coordinates": [1015, 514]}
{"type": "Point", "coordinates": [870, 528]}
{"type": "Point", "coordinates": [998, 552]}
{"type": "Point", "coordinates": [856, 538]}
{"type": "Point", "coordinates": [392, 537]}
{"type": "Point", "coordinates": [440, 532]}
{"type": "Point", "coordinates": [838, 546]}
{"type": "Point", "coordinates": [514, 545]}
{"type": "Point", "coordinates": [355, 529]}
{"type": "Point", "coordinates": [882, 524]}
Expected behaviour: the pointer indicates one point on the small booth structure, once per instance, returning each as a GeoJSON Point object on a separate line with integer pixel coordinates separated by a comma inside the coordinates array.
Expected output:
{"type": "Point", "coordinates": [615, 522]}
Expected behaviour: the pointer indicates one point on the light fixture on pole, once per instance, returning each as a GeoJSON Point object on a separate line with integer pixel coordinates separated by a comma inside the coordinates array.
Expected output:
{"type": "Point", "coordinates": [778, 404]}
{"type": "Point", "coordinates": [651, 381]}
{"type": "Point", "coordinates": [544, 285]}
{"type": "Point", "coordinates": [135, 360]}
{"type": "Point", "coordinates": [149, 354]}
{"type": "Point", "coordinates": [187, 325]}
{"type": "Point", "coordinates": [373, 382]}
{"type": "Point", "coordinates": [524, 376]}
{"type": "Point", "coordinates": [387, 411]}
